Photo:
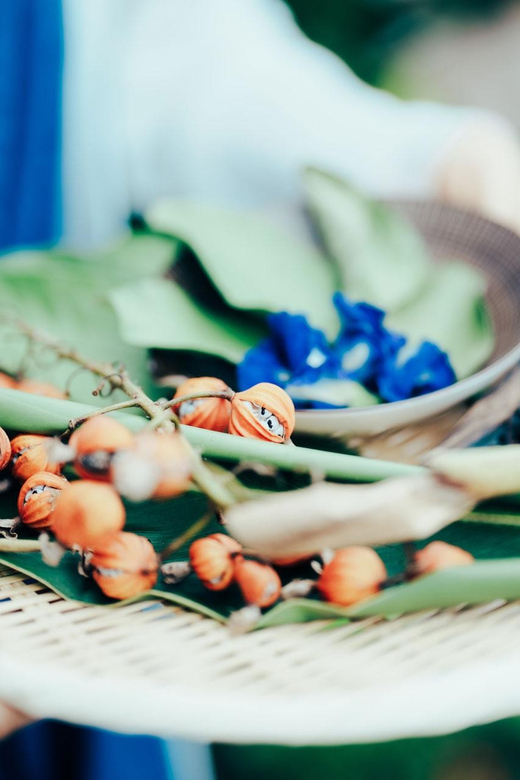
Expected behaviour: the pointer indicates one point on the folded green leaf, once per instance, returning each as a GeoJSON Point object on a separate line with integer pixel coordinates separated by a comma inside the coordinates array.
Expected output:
{"type": "Point", "coordinates": [66, 297]}
{"type": "Point", "coordinates": [178, 322]}
{"type": "Point", "coordinates": [253, 263]}
{"type": "Point", "coordinates": [382, 259]}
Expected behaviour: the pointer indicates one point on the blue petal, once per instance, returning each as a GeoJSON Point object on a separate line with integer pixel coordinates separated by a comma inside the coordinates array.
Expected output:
{"type": "Point", "coordinates": [428, 369]}
{"type": "Point", "coordinates": [262, 364]}
{"type": "Point", "coordinates": [363, 343]}
{"type": "Point", "coordinates": [302, 348]}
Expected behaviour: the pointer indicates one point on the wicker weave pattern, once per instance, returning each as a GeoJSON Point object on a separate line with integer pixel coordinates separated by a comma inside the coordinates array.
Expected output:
{"type": "Point", "coordinates": [169, 649]}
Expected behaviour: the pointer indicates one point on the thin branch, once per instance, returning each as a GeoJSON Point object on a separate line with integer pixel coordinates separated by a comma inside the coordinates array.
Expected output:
{"type": "Point", "coordinates": [188, 534]}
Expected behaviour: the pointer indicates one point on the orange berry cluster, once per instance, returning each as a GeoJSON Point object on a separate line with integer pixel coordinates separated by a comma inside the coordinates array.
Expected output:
{"type": "Point", "coordinates": [31, 386]}
{"type": "Point", "coordinates": [265, 411]}
{"type": "Point", "coordinates": [218, 560]}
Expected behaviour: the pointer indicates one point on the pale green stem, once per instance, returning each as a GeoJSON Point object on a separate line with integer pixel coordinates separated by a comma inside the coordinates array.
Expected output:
{"type": "Point", "coordinates": [225, 394]}
{"type": "Point", "coordinates": [20, 545]}
{"type": "Point", "coordinates": [185, 537]}
{"type": "Point", "coordinates": [104, 410]}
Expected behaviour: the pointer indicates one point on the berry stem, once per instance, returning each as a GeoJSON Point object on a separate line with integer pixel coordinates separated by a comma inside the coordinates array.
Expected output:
{"type": "Point", "coordinates": [105, 410]}
{"type": "Point", "coordinates": [225, 394]}
{"type": "Point", "coordinates": [188, 534]}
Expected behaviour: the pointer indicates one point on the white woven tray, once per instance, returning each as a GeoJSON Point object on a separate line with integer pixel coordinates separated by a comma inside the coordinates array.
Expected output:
{"type": "Point", "coordinates": [153, 668]}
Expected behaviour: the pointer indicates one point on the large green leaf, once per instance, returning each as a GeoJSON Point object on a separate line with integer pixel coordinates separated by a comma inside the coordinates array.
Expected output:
{"type": "Point", "coordinates": [452, 313]}
{"type": "Point", "coordinates": [254, 264]}
{"type": "Point", "coordinates": [159, 313]}
{"type": "Point", "coordinates": [382, 258]}
{"type": "Point", "coordinates": [66, 297]}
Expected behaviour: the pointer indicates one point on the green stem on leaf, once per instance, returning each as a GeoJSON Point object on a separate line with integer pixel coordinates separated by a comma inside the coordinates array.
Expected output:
{"type": "Point", "coordinates": [188, 534]}
{"type": "Point", "coordinates": [20, 545]}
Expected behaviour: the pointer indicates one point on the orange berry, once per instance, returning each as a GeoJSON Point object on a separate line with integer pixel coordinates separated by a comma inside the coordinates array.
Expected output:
{"type": "Point", "coordinates": [124, 565]}
{"type": "Point", "coordinates": [354, 573]}
{"type": "Point", "coordinates": [95, 444]}
{"type": "Point", "coordinates": [29, 455]}
{"type": "Point", "coordinates": [34, 387]}
{"type": "Point", "coordinates": [5, 449]}
{"type": "Point", "coordinates": [210, 413]}
{"type": "Point", "coordinates": [211, 560]}
{"type": "Point", "coordinates": [440, 555]}
{"type": "Point", "coordinates": [259, 583]}
{"type": "Point", "coordinates": [85, 512]}
{"type": "Point", "coordinates": [7, 381]}
{"type": "Point", "coordinates": [265, 411]}
{"type": "Point", "coordinates": [37, 498]}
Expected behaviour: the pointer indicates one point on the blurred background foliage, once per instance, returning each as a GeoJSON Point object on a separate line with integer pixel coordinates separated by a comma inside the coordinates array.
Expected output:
{"type": "Point", "coordinates": [368, 33]}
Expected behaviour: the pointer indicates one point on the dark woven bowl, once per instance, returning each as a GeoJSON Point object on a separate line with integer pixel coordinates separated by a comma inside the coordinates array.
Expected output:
{"type": "Point", "coordinates": [449, 233]}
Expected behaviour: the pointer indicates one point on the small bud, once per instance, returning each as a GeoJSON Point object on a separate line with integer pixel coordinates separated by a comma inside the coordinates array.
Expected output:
{"type": "Point", "coordinates": [440, 555]}
{"type": "Point", "coordinates": [211, 559]}
{"type": "Point", "coordinates": [85, 512]}
{"type": "Point", "coordinates": [34, 387]}
{"type": "Point", "coordinates": [95, 444]}
{"type": "Point", "coordinates": [52, 552]}
{"type": "Point", "coordinates": [210, 413]}
{"type": "Point", "coordinates": [5, 449]}
{"type": "Point", "coordinates": [265, 411]}
{"type": "Point", "coordinates": [259, 583]}
{"type": "Point", "coordinates": [124, 565]}
{"type": "Point", "coordinates": [29, 455]}
{"type": "Point", "coordinates": [353, 574]}
{"type": "Point", "coordinates": [37, 498]}
{"type": "Point", "coordinates": [243, 620]}
{"type": "Point", "coordinates": [298, 589]}
{"type": "Point", "coordinates": [175, 572]}
{"type": "Point", "coordinates": [134, 476]}
{"type": "Point", "coordinates": [58, 452]}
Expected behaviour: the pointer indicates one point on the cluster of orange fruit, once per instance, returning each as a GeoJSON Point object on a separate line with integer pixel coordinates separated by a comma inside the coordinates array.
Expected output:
{"type": "Point", "coordinates": [32, 386]}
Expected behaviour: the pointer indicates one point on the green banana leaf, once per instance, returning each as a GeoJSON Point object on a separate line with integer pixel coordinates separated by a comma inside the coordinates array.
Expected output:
{"type": "Point", "coordinates": [382, 258]}
{"type": "Point", "coordinates": [179, 322]}
{"type": "Point", "coordinates": [67, 297]}
{"type": "Point", "coordinates": [254, 264]}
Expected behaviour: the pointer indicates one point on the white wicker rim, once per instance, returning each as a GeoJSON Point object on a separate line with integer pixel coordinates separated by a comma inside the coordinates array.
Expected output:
{"type": "Point", "coordinates": [154, 668]}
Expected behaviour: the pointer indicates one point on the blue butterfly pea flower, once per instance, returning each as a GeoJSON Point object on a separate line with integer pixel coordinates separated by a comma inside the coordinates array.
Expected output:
{"type": "Point", "coordinates": [403, 376]}
{"type": "Point", "coordinates": [294, 351]}
{"type": "Point", "coordinates": [363, 343]}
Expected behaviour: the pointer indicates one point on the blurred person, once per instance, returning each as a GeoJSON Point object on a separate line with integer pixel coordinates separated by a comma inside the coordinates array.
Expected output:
{"type": "Point", "coordinates": [108, 105]}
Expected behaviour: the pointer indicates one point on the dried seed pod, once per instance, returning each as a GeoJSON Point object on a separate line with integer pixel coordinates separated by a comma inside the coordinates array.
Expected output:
{"type": "Point", "coordinates": [265, 411]}
{"type": "Point", "coordinates": [5, 449]}
{"type": "Point", "coordinates": [124, 565]}
{"type": "Point", "coordinates": [7, 381]}
{"type": "Point", "coordinates": [210, 413]}
{"type": "Point", "coordinates": [34, 387]}
{"type": "Point", "coordinates": [37, 498]}
{"type": "Point", "coordinates": [211, 560]}
{"type": "Point", "coordinates": [440, 555]}
{"type": "Point", "coordinates": [29, 455]}
{"type": "Point", "coordinates": [85, 512]}
{"type": "Point", "coordinates": [95, 444]}
{"type": "Point", "coordinates": [353, 574]}
{"type": "Point", "coordinates": [259, 583]}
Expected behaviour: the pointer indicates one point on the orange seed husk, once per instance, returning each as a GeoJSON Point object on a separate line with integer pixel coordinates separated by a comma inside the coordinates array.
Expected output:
{"type": "Point", "coordinates": [124, 565]}
{"type": "Point", "coordinates": [34, 387]}
{"type": "Point", "coordinates": [29, 455]}
{"type": "Point", "coordinates": [353, 574]}
{"type": "Point", "coordinates": [169, 453]}
{"type": "Point", "coordinates": [210, 413]}
{"type": "Point", "coordinates": [5, 449]}
{"type": "Point", "coordinates": [95, 444]}
{"type": "Point", "coordinates": [212, 562]}
{"type": "Point", "coordinates": [259, 583]}
{"type": "Point", "coordinates": [86, 512]}
{"type": "Point", "coordinates": [37, 498]}
{"type": "Point", "coordinates": [440, 555]}
{"type": "Point", "coordinates": [265, 411]}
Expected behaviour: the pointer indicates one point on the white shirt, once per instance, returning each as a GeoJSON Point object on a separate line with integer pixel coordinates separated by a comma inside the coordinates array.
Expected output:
{"type": "Point", "coordinates": [224, 101]}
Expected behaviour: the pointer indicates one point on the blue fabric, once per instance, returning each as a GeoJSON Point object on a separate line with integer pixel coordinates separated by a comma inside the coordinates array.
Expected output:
{"type": "Point", "coordinates": [31, 60]}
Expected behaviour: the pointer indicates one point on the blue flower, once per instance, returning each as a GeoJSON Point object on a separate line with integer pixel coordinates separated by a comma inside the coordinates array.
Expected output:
{"type": "Point", "coordinates": [294, 352]}
{"type": "Point", "coordinates": [363, 343]}
{"type": "Point", "coordinates": [402, 377]}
